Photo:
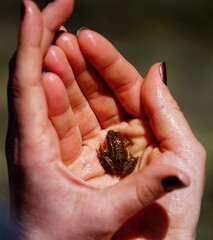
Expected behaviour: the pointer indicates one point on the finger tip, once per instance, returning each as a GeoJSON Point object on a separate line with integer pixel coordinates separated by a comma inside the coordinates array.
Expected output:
{"type": "Point", "coordinates": [87, 38]}
{"type": "Point", "coordinates": [80, 30]}
{"type": "Point", "coordinates": [176, 180]}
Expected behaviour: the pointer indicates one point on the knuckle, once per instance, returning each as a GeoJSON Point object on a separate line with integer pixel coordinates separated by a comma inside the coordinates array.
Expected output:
{"type": "Point", "coordinates": [147, 193]}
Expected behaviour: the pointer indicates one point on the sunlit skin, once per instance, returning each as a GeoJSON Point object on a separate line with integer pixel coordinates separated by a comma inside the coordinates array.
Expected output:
{"type": "Point", "coordinates": [56, 178]}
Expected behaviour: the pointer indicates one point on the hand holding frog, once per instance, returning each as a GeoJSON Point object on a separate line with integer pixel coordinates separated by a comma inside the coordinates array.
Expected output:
{"type": "Point", "coordinates": [112, 94]}
{"type": "Point", "coordinates": [59, 189]}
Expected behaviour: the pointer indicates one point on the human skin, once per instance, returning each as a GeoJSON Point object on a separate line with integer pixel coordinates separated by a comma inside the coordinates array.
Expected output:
{"type": "Point", "coordinates": [59, 189]}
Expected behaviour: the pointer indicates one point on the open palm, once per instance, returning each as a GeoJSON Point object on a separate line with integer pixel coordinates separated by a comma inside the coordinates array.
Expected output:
{"type": "Point", "coordinates": [83, 107]}
{"type": "Point", "coordinates": [105, 92]}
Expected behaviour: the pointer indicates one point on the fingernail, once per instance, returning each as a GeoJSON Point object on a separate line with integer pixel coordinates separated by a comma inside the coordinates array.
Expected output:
{"type": "Point", "coordinates": [79, 30]}
{"type": "Point", "coordinates": [58, 34]}
{"type": "Point", "coordinates": [172, 183]}
{"type": "Point", "coordinates": [22, 11]}
{"type": "Point", "coordinates": [163, 73]}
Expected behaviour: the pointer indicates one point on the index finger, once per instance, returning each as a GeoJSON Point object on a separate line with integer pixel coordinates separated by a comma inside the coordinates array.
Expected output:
{"type": "Point", "coordinates": [123, 79]}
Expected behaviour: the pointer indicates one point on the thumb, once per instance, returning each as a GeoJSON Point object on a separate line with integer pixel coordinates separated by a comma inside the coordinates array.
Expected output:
{"type": "Point", "coordinates": [167, 121]}
{"type": "Point", "coordinates": [140, 189]}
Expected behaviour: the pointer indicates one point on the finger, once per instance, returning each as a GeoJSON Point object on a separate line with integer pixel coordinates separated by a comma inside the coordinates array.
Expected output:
{"type": "Point", "coordinates": [54, 15]}
{"type": "Point", "coordinates": [120, 75]}
{"type": "Point", "coordinates": [56, 62]}
{"type": "Point", "coordinates": [62, 117]}
{"type": "Point", "coordinates": [97, 93]}
{"type": "Point", "coordinates": [142, 189]}
{"type": "Point", "coordinates": [167, 121]}
{"type": "Point", "coordinates": [28, 91]}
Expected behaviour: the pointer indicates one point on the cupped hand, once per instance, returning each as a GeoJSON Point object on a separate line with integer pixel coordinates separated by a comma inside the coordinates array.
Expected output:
{"type": "Point", "coordinates": [58, 188]}
{"type": "Point", "coordinates": [103, 87]}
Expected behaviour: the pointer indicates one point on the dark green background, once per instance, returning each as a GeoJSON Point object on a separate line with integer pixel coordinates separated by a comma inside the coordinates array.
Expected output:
{"type": "Point", "coordinates": [179, 32]}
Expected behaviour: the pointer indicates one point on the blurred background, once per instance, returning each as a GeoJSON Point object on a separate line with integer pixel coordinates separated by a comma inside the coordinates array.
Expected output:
{"type": "Point", "coordinates": [179, 32]}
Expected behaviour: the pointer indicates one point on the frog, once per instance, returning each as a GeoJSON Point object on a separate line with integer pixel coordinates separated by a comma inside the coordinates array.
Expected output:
{"type": "Point", "coordinates": [114, 157]}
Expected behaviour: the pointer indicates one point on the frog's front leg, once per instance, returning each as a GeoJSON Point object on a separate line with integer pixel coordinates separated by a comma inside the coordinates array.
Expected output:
{"type": "Point", "coordinates": [129, 165]}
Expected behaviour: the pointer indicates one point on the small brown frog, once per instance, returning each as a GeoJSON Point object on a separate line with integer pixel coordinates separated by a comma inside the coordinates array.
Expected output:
{"type": "Point", "coordinates": [114, 157]}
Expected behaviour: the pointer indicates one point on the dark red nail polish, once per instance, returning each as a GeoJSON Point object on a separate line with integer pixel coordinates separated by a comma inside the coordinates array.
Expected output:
{"type": "Point", "coordinates": [58, 34]}
{"type": "Point", "coordinates": [163, 73]}
{"type": "Point", "coordinates": [172, 183]}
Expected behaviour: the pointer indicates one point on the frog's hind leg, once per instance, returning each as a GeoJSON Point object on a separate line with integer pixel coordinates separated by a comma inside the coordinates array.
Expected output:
{"type": "Point", "coordinates": [129, 165]}
{"type": "Point", "coordinates": [107, 164]}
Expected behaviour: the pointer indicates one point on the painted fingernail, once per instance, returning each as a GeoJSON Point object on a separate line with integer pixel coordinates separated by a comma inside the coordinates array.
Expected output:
{"type": "Point", "coordinates": [163, 73]}
{"type": "Point", "coordinates": [79, 30]}
{"type": "Point", "coordinates": [172, 183]}
{"type": "Point", "coordinates": [22, 11]}
{"type": "Point", "coordinates": [58, 34]}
